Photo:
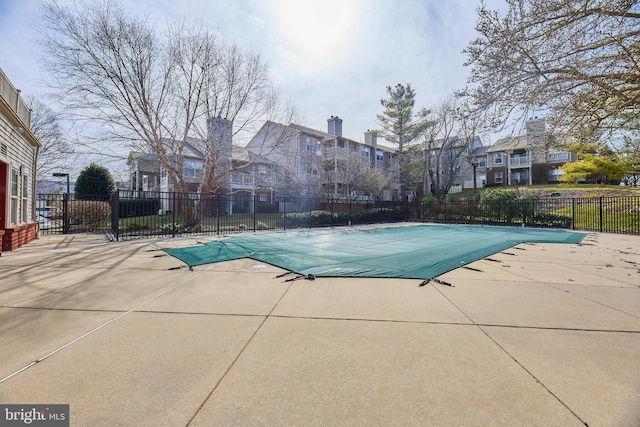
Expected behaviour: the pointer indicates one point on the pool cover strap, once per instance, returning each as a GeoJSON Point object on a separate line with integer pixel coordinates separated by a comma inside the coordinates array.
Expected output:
{"type": "Point", "coordinates": [414, 252]}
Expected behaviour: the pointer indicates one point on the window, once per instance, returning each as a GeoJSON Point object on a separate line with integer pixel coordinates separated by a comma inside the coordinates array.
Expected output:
{"type": "Point", "coordinates": [379, 155]}
{"type": "Point", "coordinates": [481, 162]}
{"type": "Point", "coordinates": [314, 146]}
{"type": "Point", "coordinates": [555, 174]}
{"type": "Point", "coordinates": [364, 153]}
{"type": "Point", "coordinates": [191, 168]}
{"type": "Point", "coordinates": [14, 196]}
{"type": "Point", "coordinates": [263, 173]}
{"type": "Point", "coordinates": [497, 158]}
{"type": "Point", "coordinates": [520, 178]}
{"type": "Point", "coordinates": [25, 195]}
{"type": "Point", "coordinates": [558, 155]}
{"type": "Point", "coordinates": [498, 178]}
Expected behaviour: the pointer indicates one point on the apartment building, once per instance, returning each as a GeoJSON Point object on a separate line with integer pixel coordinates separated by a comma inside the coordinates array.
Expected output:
{"type": "Point", "coordinates": [308, 161]}
{"type": "Point", "coordinates": [279, 160]}
{"type": "Point", "coordinates": [529, 159]}
{"type": "Point", "coordinates": [148, 174]}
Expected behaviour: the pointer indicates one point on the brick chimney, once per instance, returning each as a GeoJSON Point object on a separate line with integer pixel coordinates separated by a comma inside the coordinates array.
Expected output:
{"type": "Point", "coordinates": [334, 126]}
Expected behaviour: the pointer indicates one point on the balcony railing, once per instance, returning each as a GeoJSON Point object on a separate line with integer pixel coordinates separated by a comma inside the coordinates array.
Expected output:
{"type": "Point", "coordinates": [520, 160]}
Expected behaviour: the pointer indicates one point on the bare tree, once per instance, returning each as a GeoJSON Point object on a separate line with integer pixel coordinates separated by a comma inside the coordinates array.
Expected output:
{"type": "Point", "coordinates": [577, 59]}
{"type": "Point", "coordinates": [55, 150]}
{"type": "Point", "coordinates": [299, 173]}
{"type": "Point", "coordinates": [156, 92]}
{"type": "Point", "coordinates": [359, 178]}
{"type": "Point", "coordinates": [449, 143]}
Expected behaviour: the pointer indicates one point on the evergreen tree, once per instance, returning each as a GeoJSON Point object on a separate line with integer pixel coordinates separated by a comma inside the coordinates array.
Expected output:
{"type": "Point", "coordinates": [400, 125]}
{"type": "Point", "coordinates": [94, 181]}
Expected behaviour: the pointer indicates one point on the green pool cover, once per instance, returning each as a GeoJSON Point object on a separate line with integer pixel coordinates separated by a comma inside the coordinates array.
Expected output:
{"type": "Point", "coordinates": [415, 252]}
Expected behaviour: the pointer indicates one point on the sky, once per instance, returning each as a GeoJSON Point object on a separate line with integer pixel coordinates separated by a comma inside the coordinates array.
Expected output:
{"type": "Point", "coordinates": [332, 57]}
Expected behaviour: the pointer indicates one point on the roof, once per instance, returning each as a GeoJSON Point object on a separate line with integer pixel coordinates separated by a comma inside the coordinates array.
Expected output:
{"type": "Point", "coordinates": [509, 143]}
{"type": "Point", "coordinates": [328, 137]}
{"type": "Point", "coordinates": [455, 142]}
{"type": "Point", "coordinates": [136, 155]}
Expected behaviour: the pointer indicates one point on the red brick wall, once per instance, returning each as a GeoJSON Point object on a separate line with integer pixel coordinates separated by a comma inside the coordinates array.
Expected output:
{"type": "Point", "coordinates": [19, 235]}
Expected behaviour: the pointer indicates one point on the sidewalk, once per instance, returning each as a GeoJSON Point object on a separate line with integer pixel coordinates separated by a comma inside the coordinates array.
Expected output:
{"type": "Point", "coordinates": [538, 334]}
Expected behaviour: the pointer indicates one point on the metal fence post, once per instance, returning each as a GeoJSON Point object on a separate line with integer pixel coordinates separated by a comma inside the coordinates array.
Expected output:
{"type": "Point", "coordinates": [284, 214]}
{"type": "Point", "coordinates": [115, 214]}
{"type": "Point", "coordinates": [218, 213]}
{"type": "Point", "coordinates": [65, 213]}
{"type": "Point", "coordinates": [573, 213]}
{"type": "Point", "coordinates": [601, 214]}
{"type": "Point", "coordinates": [255, 212]}
{"type": "Point", "coordinates": [173, 215]}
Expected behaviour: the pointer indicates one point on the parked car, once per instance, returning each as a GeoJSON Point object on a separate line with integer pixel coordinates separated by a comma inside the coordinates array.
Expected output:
{"type": "Point", "coordinates": [46, 216]}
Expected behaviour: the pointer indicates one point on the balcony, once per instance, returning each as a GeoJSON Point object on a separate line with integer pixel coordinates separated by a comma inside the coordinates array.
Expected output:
{"type": "Point", "coordinates": [520, 160]}
{"type": "Point", "coordinates": [12, 97]}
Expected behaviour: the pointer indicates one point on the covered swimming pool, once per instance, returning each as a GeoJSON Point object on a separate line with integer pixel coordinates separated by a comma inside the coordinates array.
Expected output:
{"type": "Point", "coordinates": [413, 251]}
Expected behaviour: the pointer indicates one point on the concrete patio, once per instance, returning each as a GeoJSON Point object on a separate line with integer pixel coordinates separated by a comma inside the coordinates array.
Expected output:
{"type": "Point", "coordinates": [539, 334]}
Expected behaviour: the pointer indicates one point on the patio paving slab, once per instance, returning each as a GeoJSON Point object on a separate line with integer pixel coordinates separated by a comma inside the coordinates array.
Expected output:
{"type": "Point", "coordinates": [373, 299]}
{"type": "Point", "coordinates": [317, 372]}
{"type": "Point", "coordinates": [625, 299]}
{"type": "Point", "coordinates": [595, 374]}
{"type": "Point", "coordinates": [569, 254]}
{"type": "Point", "coordinates": [26, 335]}
{"type": "Point", "coordinates": [493, 302]}
{"type": "Point", "coordinates": [105, 289]}
{"type": "Point", "coordinates": [146, 369]}
{"type": "Point", "coordinates": [555, 272]}
{"type": "Point", "coordinates": [231, 291]}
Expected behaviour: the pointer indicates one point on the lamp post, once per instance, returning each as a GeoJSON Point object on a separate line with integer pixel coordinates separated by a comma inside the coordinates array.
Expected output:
{"type": "Point", "coordinates": [65, 204]}
{"type": "Point", "coordinates": [61, 174]}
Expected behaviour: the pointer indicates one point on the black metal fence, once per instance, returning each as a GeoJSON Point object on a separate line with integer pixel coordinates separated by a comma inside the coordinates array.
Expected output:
{"type": "Point", "coordinates": [603, 214]}
{"type": "Point", "coordinates": [129, 215]}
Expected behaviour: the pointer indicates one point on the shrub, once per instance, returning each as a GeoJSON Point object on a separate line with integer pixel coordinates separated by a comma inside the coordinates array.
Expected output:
{"type": "Point", "coordinates": [295, 219]}
{"type": "Point", "coordinates": [553, 220]}
{"type": "Point", "coordinates": [508, 205]}
{"type": "Point", "coordinates": [171, 227]}
{"type": "Point", "coordinates": [495, 194]}
{"type": "Point", "coordinates": [90, 213]}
